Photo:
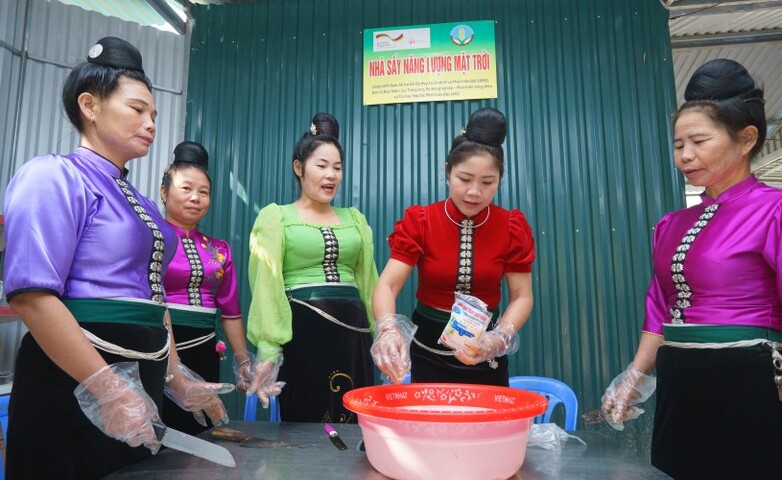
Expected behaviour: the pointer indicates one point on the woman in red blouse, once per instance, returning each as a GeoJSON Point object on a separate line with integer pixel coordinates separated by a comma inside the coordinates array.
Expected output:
{"type": "Point", "coordinates": [464, 244]}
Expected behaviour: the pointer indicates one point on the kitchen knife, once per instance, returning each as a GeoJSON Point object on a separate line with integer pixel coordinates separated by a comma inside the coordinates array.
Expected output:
{"type": "Point", "coordinates": [247, 440]}
{"type": "Point", "coordinates": [192, 445]}
{"type": "Point", "coordinates": [334, 437]}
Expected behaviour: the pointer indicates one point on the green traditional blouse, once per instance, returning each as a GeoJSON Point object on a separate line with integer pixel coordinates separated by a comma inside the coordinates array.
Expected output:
{"type": "Point", "coordinates": [286, 251]}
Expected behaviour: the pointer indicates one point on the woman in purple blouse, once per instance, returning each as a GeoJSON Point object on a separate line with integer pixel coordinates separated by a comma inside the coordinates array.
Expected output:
{"type": "Point", "coordinates": [84, 265]}
{"type": "Point", "coordinates": [713, 322]}
{"type": "Point", "coordinates": [200, 282]}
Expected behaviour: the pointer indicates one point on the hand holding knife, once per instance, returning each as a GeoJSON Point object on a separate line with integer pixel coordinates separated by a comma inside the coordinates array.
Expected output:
{"type": "Point", "coordinates": [114, 400]}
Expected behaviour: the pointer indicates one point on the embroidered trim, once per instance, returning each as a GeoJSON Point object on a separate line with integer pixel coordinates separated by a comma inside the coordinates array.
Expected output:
{"type": "Point", "coordinates": [330, 255]}
{"type": "Point", "coordinates": [155, 266]}
{"type": "Point", "coordinates": [677, 265]}
{"type": "Point", "coordinates": [464, 271]}
{"type": "Point", "coordinates": [196, 272]}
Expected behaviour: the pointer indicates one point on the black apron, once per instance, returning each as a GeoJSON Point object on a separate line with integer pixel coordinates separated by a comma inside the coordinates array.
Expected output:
{"type": "Point", "coordinates": [718, 414]}
{"type": "Point", "coordinates": [323, 361]}
{"type": "Point", "coordinates": [435, 368]}
{"type": "Point", "coordinates": [45, 416]}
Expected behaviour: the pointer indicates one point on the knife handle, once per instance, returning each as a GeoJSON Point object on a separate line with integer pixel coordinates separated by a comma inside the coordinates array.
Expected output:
{"type": "Point", "coordinates": [160, 430]}
{"type": "Point", "coordinates": [224, 433]}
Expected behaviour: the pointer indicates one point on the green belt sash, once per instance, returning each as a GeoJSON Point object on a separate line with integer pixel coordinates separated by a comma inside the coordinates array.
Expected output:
{"type": "Point", "coordinates": [188, 318]}
{"type": "Point", "coordinates": [98, 310]}
{"type": "Point", "coordinates": [437, 315]}
{"type": "Point", "coordinates": [719, 333]}
{"type": "Point", "coordinates": [324, 292]}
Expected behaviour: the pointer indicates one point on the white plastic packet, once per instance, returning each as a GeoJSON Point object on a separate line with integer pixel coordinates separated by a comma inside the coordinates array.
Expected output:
{"type": "Point", "coordinates": [549, 436]}
{"type": "Point", "coordinates": [469, 319]}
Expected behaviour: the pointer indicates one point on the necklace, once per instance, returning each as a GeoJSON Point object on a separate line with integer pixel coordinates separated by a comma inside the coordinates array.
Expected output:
{"type": "Point", "coordinates": [466, 224]}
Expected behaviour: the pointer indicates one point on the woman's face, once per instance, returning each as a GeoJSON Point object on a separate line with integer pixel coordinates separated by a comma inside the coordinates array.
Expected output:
{"type": "Point", "coordinates": [123, 125]}
{"type": "Point", "coordinates": [187, 199]}
{"type": "Point", "coordinates": [473, 183]}
{"type": "Point", "coordinates": [707, 155]}
{"type": "Point", "coordinates": [320, 174]}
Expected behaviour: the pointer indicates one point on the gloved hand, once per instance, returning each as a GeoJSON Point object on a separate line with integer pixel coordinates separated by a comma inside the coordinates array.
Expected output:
{"type": "Point", "coordinates": [499, 341]}
{"type": "Point", "coordinates": [391, 348]}
{"type": "Point", "coordinates": [264, 383]}
{"type": "Point", "coordinates": [243, 363]}
{"type": "Point", "coordinates": [628, 389]}
{"type": "Point", "coordinates": [190, 392]}
{"type": "Point", "coordinates": [114, 400]}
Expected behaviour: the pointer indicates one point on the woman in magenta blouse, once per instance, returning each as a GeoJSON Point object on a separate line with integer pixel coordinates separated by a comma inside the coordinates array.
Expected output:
{"type": "Point", "coordinates": [200, 282]}
{"type": "Point", "coordinates": [463, 244]}
{"type": "Point", "coordinates": [714, 306]}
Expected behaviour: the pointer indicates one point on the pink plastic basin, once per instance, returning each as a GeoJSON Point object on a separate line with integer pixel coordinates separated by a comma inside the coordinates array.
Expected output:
{"type": "Point", "coordinates": [445, 430]}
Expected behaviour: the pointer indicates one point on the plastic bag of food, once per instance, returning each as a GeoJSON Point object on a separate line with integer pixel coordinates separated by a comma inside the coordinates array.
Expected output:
{"type": "Point", "coordinates": [469, 319]}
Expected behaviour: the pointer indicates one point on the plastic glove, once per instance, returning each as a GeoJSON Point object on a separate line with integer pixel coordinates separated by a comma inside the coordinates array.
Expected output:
{"type": "Point", "coordinates": [190, 392]}
{"type": "Point", "coordinates": [243, 363]}
{"type": "Point", "coordinates": [391, 348]}
{"type": "Point", "coordinates": [628, 389]}
{"type": "Point", "coordinates": [265, 382]}
{"type": "Point", "coordinates": [499, 341]}
{"type": "Point", "coordinates": [114, 400]}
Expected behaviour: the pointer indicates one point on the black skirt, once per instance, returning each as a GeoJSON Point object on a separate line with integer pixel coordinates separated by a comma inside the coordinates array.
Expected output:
{"type": "Point", "coordinates": [202, 359]}
{"type": "Point", "coordinates": [718, 414]}
{"type": "Point", "coordinates": [48, 434]}
{"type": "Point", "coordinates": [323, 361]}
{"type": "Point", "coordinates": [433, 368]}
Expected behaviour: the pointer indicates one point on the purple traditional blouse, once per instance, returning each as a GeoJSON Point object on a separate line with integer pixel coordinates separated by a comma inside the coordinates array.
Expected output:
{"type": "Point", "coordinates": [202, 274]}
{"type": "Point", "coordinates": [732, 270]}
{"type": "Point", "coordinates": [76, 228]}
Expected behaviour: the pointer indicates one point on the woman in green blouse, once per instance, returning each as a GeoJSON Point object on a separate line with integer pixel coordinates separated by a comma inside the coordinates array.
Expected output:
{"type": "Point", "coordinates": [312, 273]}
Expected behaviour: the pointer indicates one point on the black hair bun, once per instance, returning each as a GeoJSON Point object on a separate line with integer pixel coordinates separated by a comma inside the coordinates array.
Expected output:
{"type": "Point", "coordinates": [488, 126]}
{"type": "Point", "coordinates": [116, 53]}
{"type": "Point", "coordinates": [324, 124]}
{"type": "Point", "coordinates": [191, 152]}
{"type": "Point", "coordinates": [721, 79]}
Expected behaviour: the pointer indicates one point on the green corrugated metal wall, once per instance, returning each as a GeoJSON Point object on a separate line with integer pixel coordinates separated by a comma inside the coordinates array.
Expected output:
{"type": "Point", "coordinates": [587, 86]}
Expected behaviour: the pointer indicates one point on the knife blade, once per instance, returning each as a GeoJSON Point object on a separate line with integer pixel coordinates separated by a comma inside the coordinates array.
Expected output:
{"type": "Point", "coordinates": [192, 445]}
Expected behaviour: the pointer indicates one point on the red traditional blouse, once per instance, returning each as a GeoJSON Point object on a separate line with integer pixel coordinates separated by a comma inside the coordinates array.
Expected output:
{"type": "Point", "coordinates": [471, 258]}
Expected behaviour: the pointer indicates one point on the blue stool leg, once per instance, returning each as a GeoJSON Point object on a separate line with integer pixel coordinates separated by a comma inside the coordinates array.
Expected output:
{"type": "Point", "coordinates": [4, 422]}
{"type": "Point", "coordinates": [274, 410]}
{"type": "Point", "coordinates": [250, 407]}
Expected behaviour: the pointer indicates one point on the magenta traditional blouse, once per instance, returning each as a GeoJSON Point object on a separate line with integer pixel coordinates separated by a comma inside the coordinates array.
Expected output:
{"type": "Point", "coordinates": [202, 274]}
{"type": "Point", "coordinates": [731, 273]}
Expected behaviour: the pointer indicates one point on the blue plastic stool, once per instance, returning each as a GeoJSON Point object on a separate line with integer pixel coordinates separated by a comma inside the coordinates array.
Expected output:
{"type": "Point", "coordinates": [251, 407]}
{"type": "Point", "coordinates": [387, 381]}
{"type": "Point", "coordinates": [557, 393]}
{"type": "Point", "coordinates": [4, 422]}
